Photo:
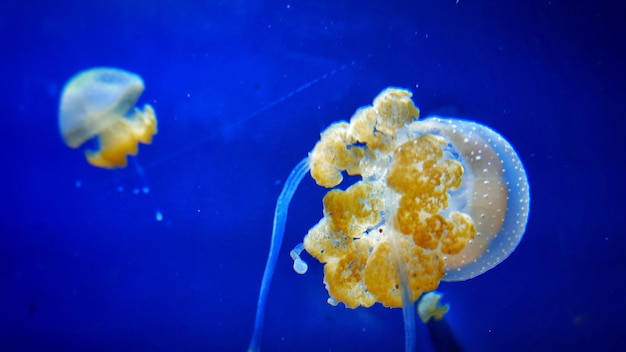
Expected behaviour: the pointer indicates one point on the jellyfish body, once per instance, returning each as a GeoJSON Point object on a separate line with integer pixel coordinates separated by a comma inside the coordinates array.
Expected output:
{"type": "Point", "coordinates": [438, 199]}
{"type": "Point", "coordinates": [99, 102]}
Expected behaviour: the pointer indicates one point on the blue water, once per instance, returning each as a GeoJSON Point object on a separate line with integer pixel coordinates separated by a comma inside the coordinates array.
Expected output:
{"type": "Point", "coordinates": [242, 90]}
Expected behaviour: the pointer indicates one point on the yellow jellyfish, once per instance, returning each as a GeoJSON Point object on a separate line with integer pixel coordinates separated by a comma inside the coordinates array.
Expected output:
{"type": "Point", "coordinates": [439, 199]}
{"type": "Point", "coordinates": [99, 102]}
{"type": "Point", "coordinates": [429, 307]}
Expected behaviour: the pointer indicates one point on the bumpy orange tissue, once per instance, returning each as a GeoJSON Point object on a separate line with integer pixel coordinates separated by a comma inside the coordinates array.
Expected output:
{"type": "Point", "coordinates": [395, 218]}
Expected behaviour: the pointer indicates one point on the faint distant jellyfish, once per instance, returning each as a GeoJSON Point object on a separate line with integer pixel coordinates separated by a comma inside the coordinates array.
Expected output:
{"type": "Point", "coordinates": [439, 199]}
{"type": "Point", "coordinates": [99, 102]}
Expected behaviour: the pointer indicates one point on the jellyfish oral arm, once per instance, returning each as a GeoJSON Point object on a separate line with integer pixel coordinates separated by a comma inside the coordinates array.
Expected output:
{"type": "Point", "coordinates": [278, 232]}
{"type": "Point", "coordinates": [122, 138]}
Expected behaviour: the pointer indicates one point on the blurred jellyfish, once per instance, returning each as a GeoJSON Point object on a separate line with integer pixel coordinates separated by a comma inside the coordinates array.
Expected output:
{"type": "Point", "coordinates": [99, 103]}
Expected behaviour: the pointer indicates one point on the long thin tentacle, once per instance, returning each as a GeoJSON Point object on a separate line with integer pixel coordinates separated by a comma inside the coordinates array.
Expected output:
{"type": "Point", "coordinates": [408, 313]}
{"type": "Point", "coordinates": [278, 232]}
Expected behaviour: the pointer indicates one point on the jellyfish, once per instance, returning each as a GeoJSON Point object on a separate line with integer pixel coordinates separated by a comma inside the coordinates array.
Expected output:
{"type": "Point", "coordinates": [99, 103]}
{"type": "Point", "coordinates": [438, 200]}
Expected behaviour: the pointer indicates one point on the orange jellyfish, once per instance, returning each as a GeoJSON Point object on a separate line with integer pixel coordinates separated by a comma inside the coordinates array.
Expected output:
{"type": "Point", "coordinates": [439, 199]}
{"type": "Point", "coordinates": [99, 102]}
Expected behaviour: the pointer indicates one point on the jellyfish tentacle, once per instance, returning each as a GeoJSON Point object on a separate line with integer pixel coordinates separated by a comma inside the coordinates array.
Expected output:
{"type": "Point", "coordinates": [278, 232]}
{"type": "Point", "coordinates": [408, 314]}
{"type": "Point", "coordinates": [408, 311]}
{"type": "Point", "coordinates": [290, 94]}
{"type": "Point", "coordinates": [251, 116]}
{"type": "Point", "coordinates": [145, 188]}
{"type": "Point", "coordinates": [299, 265]}
{"type": "Point", "coordinates": [408, 302]}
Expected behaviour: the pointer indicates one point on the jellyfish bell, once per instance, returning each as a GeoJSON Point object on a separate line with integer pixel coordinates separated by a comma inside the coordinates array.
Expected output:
{"type": "Point", "coordinates": [494, 193]}
{"type": "Point", "coordinates": [99, 103]}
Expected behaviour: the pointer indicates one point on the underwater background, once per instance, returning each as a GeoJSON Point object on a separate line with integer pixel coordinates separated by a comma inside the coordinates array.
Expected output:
{"type": "Point", "coordinates": [242, 90]}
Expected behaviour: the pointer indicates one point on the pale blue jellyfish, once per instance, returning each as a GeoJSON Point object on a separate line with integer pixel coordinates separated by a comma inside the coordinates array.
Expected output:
{"type": "Point", "coordinates": [99, 103]}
